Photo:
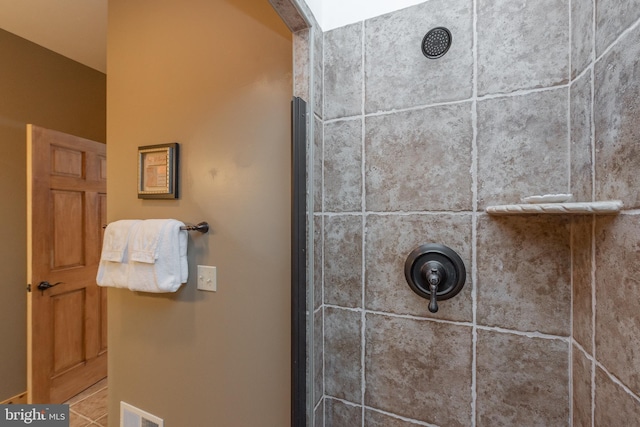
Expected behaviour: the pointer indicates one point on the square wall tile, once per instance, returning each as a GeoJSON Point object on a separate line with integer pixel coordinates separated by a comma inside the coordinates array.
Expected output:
{"type": "Point", "coordinates": [581, 151]}
{"type": "Point", "coordinates": [389, 241]}
{"type": "Point", "coordinates": [522, 146]}
{"type": "Point", "coordinates": [343, 260]}
{"type": "Point", "coordinates": [614, 406]}
{"type": "Point", "coordinates": [342, 414]}
{"type": "Point", "coordinates": [342, 354]}
{"type": "Point", "coordinates": [581, 35]}
{"type": "Point", "coordinates": [581, 389]}
{"type": "Point", "coordinates": [343, 72]}
{"type": "Point", "coordinates": [343, 166]}
{"type": "Point", "coordinates": [618, 297]}
{"type": "Point", "coordinates": [582, 230]}
{"type": "Point", "coordinates": [522, 44]}
{"type": "Point", "coordinates": [521, 381]}
{"type": "Point", "coordinates": [398, 75]}
{"type": "Point", "coordinates": [617, 128]}
{"type": "Point", "coordinates": [419, 369]}
{"type": "Point", "coordinates": [524, 265]}
{"type": "Point", "coordinates": [419, 160]}
{"type": "Point", "coordinates": [612, 18]}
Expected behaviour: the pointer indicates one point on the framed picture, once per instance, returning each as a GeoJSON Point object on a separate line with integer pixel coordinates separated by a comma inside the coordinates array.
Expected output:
{"type": "Point", "coordinates": [158, 171]}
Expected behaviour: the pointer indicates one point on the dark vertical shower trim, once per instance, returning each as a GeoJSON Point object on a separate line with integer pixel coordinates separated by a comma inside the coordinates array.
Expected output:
{"type": "Point", "coordinates": [298, 263]}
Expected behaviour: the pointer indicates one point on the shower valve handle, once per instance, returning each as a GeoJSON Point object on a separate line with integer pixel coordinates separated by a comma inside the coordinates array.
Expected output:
{"type": "Point", "coordinates": [433, 278]}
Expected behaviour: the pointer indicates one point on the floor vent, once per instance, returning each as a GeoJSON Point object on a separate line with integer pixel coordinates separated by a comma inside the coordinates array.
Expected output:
{"type": "Point", "coordinates": [130, 416]}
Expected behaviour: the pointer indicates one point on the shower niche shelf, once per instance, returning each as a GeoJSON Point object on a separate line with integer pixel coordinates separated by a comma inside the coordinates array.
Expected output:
{"type": "Point", "coordinates": [607, 207]}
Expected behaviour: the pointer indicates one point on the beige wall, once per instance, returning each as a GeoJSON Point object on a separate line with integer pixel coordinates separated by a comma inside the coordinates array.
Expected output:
{"type": "Point", "coordinates": [216, 77]}
{"type": "Point", "coordinates": [41, 87]}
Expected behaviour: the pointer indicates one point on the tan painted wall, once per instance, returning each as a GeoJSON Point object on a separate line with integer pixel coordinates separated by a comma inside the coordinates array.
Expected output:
{"type": "Point", "coordinates": [215, 76]}
{"type": "Point", "coordinates": [41, 87]}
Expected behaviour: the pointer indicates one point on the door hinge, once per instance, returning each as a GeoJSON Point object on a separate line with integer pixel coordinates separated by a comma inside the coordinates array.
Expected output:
{"type": "Point", "coordinates": [28, 287]}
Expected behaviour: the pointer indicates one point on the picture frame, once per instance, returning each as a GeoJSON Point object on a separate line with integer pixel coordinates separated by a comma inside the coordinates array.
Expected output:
{"type": "Point", "coordinates": [158, 171]}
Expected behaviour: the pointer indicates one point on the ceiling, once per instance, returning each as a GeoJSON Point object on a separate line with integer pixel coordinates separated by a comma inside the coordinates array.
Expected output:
{"type": "Point", "coordinates": [76, 29]}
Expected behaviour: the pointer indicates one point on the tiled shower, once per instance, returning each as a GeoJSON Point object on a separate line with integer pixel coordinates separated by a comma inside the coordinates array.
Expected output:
{"type": "Point", "coordinates": [533, 97]}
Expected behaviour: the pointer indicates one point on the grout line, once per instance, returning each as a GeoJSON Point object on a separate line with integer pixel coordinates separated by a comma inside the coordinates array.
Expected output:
{"type": "Point", "coordinates": [474, 220]}
{"type": "Point", "coordinates": [617, 381]}
{"type": "Point", "coordinates": [323, 225]}
{"type": "Point", "coordinates": [399, 417]}
{"type": "Point", "coordinates": [622, 35]}
{"type": "Point", "coordinates": [395, 213]}
{"type": "Point", "coordinates": [592, 68]}
{"type": "Point", "coordinates": [571, 80]}
{"type": "Point", "coordinates": [571, 302]}
{"type": "Point", "coordinates": [363, 206]}
{"type": "Point", "coordinates": [522, 92]}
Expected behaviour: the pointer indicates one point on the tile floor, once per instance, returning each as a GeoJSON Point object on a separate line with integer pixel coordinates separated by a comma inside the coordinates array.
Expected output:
{"type": "Point", "coordinates": [89, 408]}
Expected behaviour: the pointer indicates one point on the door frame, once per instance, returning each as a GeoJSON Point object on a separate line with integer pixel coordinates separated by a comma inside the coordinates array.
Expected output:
{"type": "Point", "coordinates": [299, 19]}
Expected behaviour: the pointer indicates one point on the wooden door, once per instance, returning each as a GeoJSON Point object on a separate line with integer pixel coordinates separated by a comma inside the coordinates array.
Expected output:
{"type": "Point", "coordinates": [66, 207]}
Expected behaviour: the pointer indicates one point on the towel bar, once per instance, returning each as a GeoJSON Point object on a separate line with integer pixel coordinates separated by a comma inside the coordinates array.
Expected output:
{"type": "Point", "coordinates": [202, 227]}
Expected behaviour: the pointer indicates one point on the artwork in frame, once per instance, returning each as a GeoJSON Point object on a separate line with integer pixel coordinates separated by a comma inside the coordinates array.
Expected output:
{"type": "Point", "coordinates": [158, 171]}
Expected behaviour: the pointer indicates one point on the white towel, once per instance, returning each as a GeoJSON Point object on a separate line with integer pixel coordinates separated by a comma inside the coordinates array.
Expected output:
{"type": "Point", "coordinates": [158, 256]}
{"type": "Point", "coordinates": [113, 268]}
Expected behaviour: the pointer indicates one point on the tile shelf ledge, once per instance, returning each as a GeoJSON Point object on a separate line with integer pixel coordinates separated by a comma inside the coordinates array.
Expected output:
{"type": "Point", "coordinates": [607, 207]}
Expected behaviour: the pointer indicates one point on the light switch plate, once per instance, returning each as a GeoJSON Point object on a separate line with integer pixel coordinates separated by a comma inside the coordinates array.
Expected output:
{"type": "Point", "coordinates": [207, 280]}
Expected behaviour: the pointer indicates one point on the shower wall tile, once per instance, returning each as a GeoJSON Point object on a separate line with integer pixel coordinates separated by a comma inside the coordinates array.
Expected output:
{"type": "Point", "coordinates": [581, 35]}
{"type": "Point", "coordinates": [318, 164]}
{"type": "Point", "coordinates": [524, 273]}
{"type": "Point", "coordinates": [581, 152]}
{"type": "Point", "coordinates": [617, 128]}
{"type": "Point", "coordinates": [318, 69]}
{"type": "Point", "coordinates": [318, 260]}
{"type": "Point", "coordinates": [419, 160]}
{"type": "Point", "coordinates": [398, 75]}
{"type": "Point", "coordinates": [319, 415]}
{"type": "Point", "coordinates": [614, 406]}
{"type": "Point", "coordinates": [522, 44]}
{"type": "Point", "coordinates": [390, 239]}
{"type": "Point", "coordinates": [301, 64]}
{"type": "Point", "coordinates": [522, 146]}
{"type": "Point", "coordinates": [419, 369]}
{"type": "Point", "coordinates": [377, 419]}
{"type": "Point", "coordinates": [581, 389]}
{"type": "Point", "coordinates": [343, 261]}
{"type": "Point", "coordinates": [343, 166]}
{"type": "Point", "coordinates": [617, 296]}
{"type": "Point", "coordinates": [521, 381]}
{"type": "Point", "coordinates": [612, 18]}
{"type": "Point", "coordinates": [342, 354]}
{"type": "Point", "coordinates": [290, 14]}
{"type": "Point", "coordinates": [342, 414]}
{"type": "Point", "coordinates": [343, 72]}
{"type": "Point", "coordinates": [318, 355]}
{"type": "Point", "coordinates": [582, 300]}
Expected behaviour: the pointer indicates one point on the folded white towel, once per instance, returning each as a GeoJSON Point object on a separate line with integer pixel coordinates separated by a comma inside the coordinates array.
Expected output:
{"type": "Point", "coordinates": [154, 258]}
{"type": "Point", "coordinates": [113, 268]}
{"type": "Point", "coordinates": [116, 238]}
{"type": "Point", "coordinates": [158, 258]}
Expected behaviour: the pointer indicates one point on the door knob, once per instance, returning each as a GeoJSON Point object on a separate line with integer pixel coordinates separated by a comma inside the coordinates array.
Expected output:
{"type": "Point", "coordinates": [43, 286]}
